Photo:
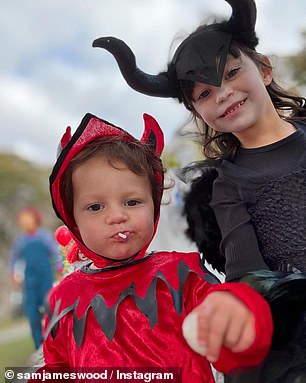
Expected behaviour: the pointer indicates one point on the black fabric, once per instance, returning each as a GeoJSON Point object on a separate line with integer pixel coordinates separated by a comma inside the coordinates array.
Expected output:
{"type": "Point", "coordinates": [281, 366]}
{"type": "Point", "coordinates": [264, 215]}
{"type": "Point", "coordinates": [258, 187]}
{"type": "Point", "coordinates": [202, 226]}
{"type": "Point", "coordinates": [197, 57]}
{"type": "Point", "coordinates": [270, 207]}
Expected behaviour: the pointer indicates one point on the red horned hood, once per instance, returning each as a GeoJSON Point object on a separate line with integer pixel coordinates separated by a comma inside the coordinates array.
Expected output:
{"type": "Point", "coordinates": [91, 128]}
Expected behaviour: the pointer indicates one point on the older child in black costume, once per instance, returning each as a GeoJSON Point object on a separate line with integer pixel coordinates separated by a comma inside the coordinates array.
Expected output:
{"type": "Point", "coordinates": [255, 133]}
{"type": "Point", "coordinates": [251, 124]}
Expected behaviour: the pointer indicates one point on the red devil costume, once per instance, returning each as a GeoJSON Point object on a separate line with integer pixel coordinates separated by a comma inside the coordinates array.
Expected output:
{"type": "Point", "coordinates": [130, 314]}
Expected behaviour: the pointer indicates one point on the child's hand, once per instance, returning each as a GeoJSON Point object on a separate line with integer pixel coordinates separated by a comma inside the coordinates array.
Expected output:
{"type": "Point", "coordinates": [16, 282]}
{"type": "Point", "coordinates": [220, 320]}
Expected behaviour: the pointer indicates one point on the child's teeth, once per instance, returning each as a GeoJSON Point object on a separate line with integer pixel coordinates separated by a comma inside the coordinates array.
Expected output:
{"type": "Point", "coordinates": [121, 235]}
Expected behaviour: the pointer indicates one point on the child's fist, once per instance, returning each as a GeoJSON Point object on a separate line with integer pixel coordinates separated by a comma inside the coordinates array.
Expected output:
{"type": "Point", "coordinates": [220, 320]}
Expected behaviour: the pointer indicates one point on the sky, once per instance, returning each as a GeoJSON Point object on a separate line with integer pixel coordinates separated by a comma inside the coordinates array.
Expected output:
{"type": "Point", "coordinates": [51, 76]}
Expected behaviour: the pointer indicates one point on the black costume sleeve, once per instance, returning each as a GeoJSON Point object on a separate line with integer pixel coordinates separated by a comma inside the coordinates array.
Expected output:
{"type": "Point", "coordinates": [239, 242]}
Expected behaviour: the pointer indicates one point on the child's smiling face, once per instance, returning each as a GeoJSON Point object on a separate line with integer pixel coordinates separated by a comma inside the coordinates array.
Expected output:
{"type": "Point", "coordinates": [113, 208]}
{"type": "Point", "coordinates": [241, 102]}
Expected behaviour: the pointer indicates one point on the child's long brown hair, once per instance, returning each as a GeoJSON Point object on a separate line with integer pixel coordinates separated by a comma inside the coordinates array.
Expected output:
{"type": "Point", "coordinates": [218, 145]}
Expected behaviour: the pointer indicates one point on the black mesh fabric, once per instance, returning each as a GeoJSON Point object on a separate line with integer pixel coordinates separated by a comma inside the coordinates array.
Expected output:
{"type": "Point", "coordinates": [280, 221]}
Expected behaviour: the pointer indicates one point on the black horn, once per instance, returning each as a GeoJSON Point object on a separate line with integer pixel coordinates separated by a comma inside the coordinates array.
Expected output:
{"type": "Point", "coordinates": [242, 22]}
{"type": "Point", "coordinates": [161, 85]}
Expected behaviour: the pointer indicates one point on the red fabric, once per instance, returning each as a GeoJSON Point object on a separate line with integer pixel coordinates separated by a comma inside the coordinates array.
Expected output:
{"type": "Point", "coordinates": [261, 310]}
{"type": "Point", "coordinates": [135, 343]}
{"type": "Point", "coordinates": [137, 340]}
{"type": "Point", "coordinates": [73, 253]}
{"type": "Point", "coordinates": [91, 128]}
{"type": "Point", "coordinates": [66, 137]}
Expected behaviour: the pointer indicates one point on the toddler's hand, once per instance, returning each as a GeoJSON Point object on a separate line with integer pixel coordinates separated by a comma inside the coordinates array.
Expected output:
{"type": "Point", "coordinates": [220, 320]}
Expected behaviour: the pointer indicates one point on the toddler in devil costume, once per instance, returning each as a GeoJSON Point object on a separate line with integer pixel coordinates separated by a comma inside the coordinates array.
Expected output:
{"type": "Point", "coordinates": [126, 307]}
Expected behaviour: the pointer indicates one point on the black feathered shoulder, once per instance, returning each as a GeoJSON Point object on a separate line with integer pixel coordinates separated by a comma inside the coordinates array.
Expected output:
{"type": "Point", "coordinates": [202, 226]}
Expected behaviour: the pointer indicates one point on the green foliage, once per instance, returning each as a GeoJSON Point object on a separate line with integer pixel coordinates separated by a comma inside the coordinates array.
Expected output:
{"type": "Point", "coordinates": [170, 161]}
{"type": "Point", "coordinates": [298, 63]}
{"type": "Point", "coordinates": [16, 353]}
{"type": "Point", "coordinates": [22, 184]}
{"type": "Point", "coordinates": [21, 180]}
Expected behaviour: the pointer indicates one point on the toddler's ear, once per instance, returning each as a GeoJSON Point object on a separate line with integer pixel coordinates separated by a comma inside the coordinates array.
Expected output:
{"type": "Point", "coordinates": [153, 135]}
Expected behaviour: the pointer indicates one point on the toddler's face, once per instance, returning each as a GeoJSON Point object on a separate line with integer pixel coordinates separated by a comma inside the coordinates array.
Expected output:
{"type": "Point", "coordinates": [113, 208]}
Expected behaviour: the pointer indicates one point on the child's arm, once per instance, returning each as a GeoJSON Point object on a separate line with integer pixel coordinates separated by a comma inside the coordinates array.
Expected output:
{"type": "Point", "coordinates": [15, 257]}
{"type": "Point", "coordinates": [239, 241]}
{"type": "Point", "coordinates": [54, 251]}
{"type": "Point", "coordinates": [234, 326]}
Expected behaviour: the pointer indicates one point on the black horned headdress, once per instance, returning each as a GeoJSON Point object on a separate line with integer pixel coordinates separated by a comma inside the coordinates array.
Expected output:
{"type": "Point", "coordinates": [200, 57]}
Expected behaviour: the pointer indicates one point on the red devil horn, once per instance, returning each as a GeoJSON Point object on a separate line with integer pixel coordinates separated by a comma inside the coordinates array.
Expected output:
{"type": "Point", "coordinates": [64, 140]}
{"type": "Point", "coordinates": [153, 135]}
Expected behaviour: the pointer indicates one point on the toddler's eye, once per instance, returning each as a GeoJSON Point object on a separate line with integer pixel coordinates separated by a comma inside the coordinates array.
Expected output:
{"type": "Point", "coordinates": [95, 207]}
{"type": "Point", "coordinates": [132, 202]}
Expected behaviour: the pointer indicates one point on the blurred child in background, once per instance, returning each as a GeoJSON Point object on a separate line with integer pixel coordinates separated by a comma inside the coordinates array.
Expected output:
{"type": "Point", "coordinates": [39, 252]}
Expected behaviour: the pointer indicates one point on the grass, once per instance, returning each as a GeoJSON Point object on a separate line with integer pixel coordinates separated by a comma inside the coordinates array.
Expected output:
{"type": "Point", "coordinates": [7, 324]}
{"type": "Point", "coordinates": [15, 353]}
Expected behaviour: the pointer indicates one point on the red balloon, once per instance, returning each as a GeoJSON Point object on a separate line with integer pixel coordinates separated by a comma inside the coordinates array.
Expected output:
{"type": "Point", "coordinates": [63, 235]}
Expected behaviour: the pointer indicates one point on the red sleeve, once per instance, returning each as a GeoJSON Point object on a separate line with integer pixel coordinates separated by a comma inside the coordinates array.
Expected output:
{"type": "Point", "coordinates": [255, 354]}
{"type": "Point", "coordinates": [197, 290]}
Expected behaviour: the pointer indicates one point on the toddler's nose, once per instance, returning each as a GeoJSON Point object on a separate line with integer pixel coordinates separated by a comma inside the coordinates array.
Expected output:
{"type": "Point", "coordinates": [116, 215]}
